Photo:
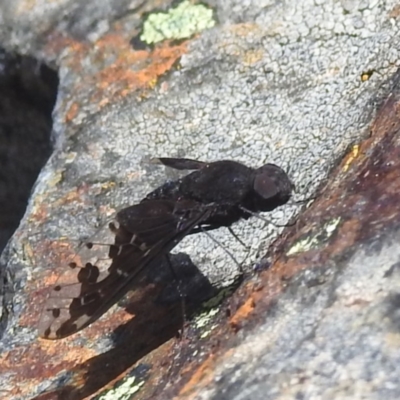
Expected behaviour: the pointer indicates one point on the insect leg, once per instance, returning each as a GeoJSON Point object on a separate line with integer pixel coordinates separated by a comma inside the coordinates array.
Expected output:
{"type": "Point", "coordinates": [238, 238]}
{"type": "Point", "coordinates": [180, 291]}
{"type": "Point", "coordinates": [224, 248]}
{"type": "Point", "coordinates": [179, 163]}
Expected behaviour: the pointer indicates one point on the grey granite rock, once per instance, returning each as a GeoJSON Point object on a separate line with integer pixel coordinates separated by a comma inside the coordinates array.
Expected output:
{"type": "Point", "coordinates": [294, 83]}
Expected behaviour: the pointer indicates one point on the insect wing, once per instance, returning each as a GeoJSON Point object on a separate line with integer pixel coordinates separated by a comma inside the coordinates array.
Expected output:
{"type": "Point", "coordinates": [102, 273]}
{"type": "Point", "coordinates": [181, 163]}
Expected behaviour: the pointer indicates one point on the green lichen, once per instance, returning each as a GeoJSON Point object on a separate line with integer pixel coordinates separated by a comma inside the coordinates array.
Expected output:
{"type": "Point", "coordinates": [123, 391]}
{"type": "Point", "coordinates": [312, 241]}
{"type": "Point", "coordinates": [202, 320]}
{"type": "Point", "coordinates": [208, 332]}
{"type": "Point", "coordinates": [178, 23]}
{"type": "Point", "coordinates": [302, 245]}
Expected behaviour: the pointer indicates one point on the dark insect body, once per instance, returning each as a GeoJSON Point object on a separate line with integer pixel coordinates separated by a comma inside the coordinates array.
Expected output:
{"type": "Point", "coordinates": [214, 195]}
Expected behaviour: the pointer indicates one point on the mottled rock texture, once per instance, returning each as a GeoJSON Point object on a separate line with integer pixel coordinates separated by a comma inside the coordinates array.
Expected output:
{"type": "Point", "coordinates": [310, 86]}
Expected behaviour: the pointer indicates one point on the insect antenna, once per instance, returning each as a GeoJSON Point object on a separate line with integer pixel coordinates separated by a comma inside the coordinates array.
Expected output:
{"type": "Point", "coordinates": [268, 221]}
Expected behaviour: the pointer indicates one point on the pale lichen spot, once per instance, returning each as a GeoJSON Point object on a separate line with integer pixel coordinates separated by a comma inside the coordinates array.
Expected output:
{"type": "Point", "coordinates": [178, 23]}
{"type": "Point", "coordinates": [313, 241]}
{"type": "Point", "coordinates": [123, 390]}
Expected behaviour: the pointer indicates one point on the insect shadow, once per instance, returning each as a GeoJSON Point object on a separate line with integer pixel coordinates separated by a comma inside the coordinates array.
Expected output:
{"type": "Point", "coordinates": [155, 303]}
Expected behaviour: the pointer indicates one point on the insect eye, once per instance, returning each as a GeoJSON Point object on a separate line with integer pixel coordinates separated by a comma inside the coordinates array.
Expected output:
{"type": "Point", "coordinates": [265, 186]}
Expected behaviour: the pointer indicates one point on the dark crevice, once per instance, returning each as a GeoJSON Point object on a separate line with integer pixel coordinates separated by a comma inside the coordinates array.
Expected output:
{"type": "Point", "coordinates": [28, 90]}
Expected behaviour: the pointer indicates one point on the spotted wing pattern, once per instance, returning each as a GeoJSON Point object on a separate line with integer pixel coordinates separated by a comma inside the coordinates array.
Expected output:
{"type": "Point", "coordinates": [93, 281]}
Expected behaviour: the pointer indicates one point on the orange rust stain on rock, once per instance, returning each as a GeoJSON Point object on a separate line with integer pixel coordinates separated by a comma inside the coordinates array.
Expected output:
{"type": "Point", "coordinates": [66, 350]}
{"type": "Point", "coordinates": [32, 310]}
{"type": "Point", "coordinates": [243, 312]}
{"type": "Point", "coordinates": [395, 12]}
{"type": "Point", "coordinates": [104, 326]}
{"type": "Point", "coordinates": [54, 348]}
{"type": "Point", "coordinates": [270, 285]}
{"type": "Point", "coordinates": [40, 213]}
{"type": "Point", "coordinates": [58, 42]}
{"type": "Point", "coordinates": [111, 69]}
{"type": "Point", "coordinates": [72, 112]}
{"type": "Point", "coordinates": [42, 359]}
{"type": "Point", "coordinates": [245, 29]}
{"type": "Point", "coordinates": [253, 56]}
{"type": "Point", "coordinates": [73, 196]}
{"type": "Point", "coordinates": [127, 70]}
{"type": "Point", "coordinates": [44, 207]}
{"type": "Point", "coordinates": [203, 374]}
{"type": "Point", "coordinates": [133, 70]}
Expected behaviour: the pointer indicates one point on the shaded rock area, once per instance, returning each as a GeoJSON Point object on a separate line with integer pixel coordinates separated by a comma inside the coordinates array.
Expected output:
{"type": "Point", "coordinates": [311, 86]}
{"type": "Point", "coordinates": [27, 95]}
